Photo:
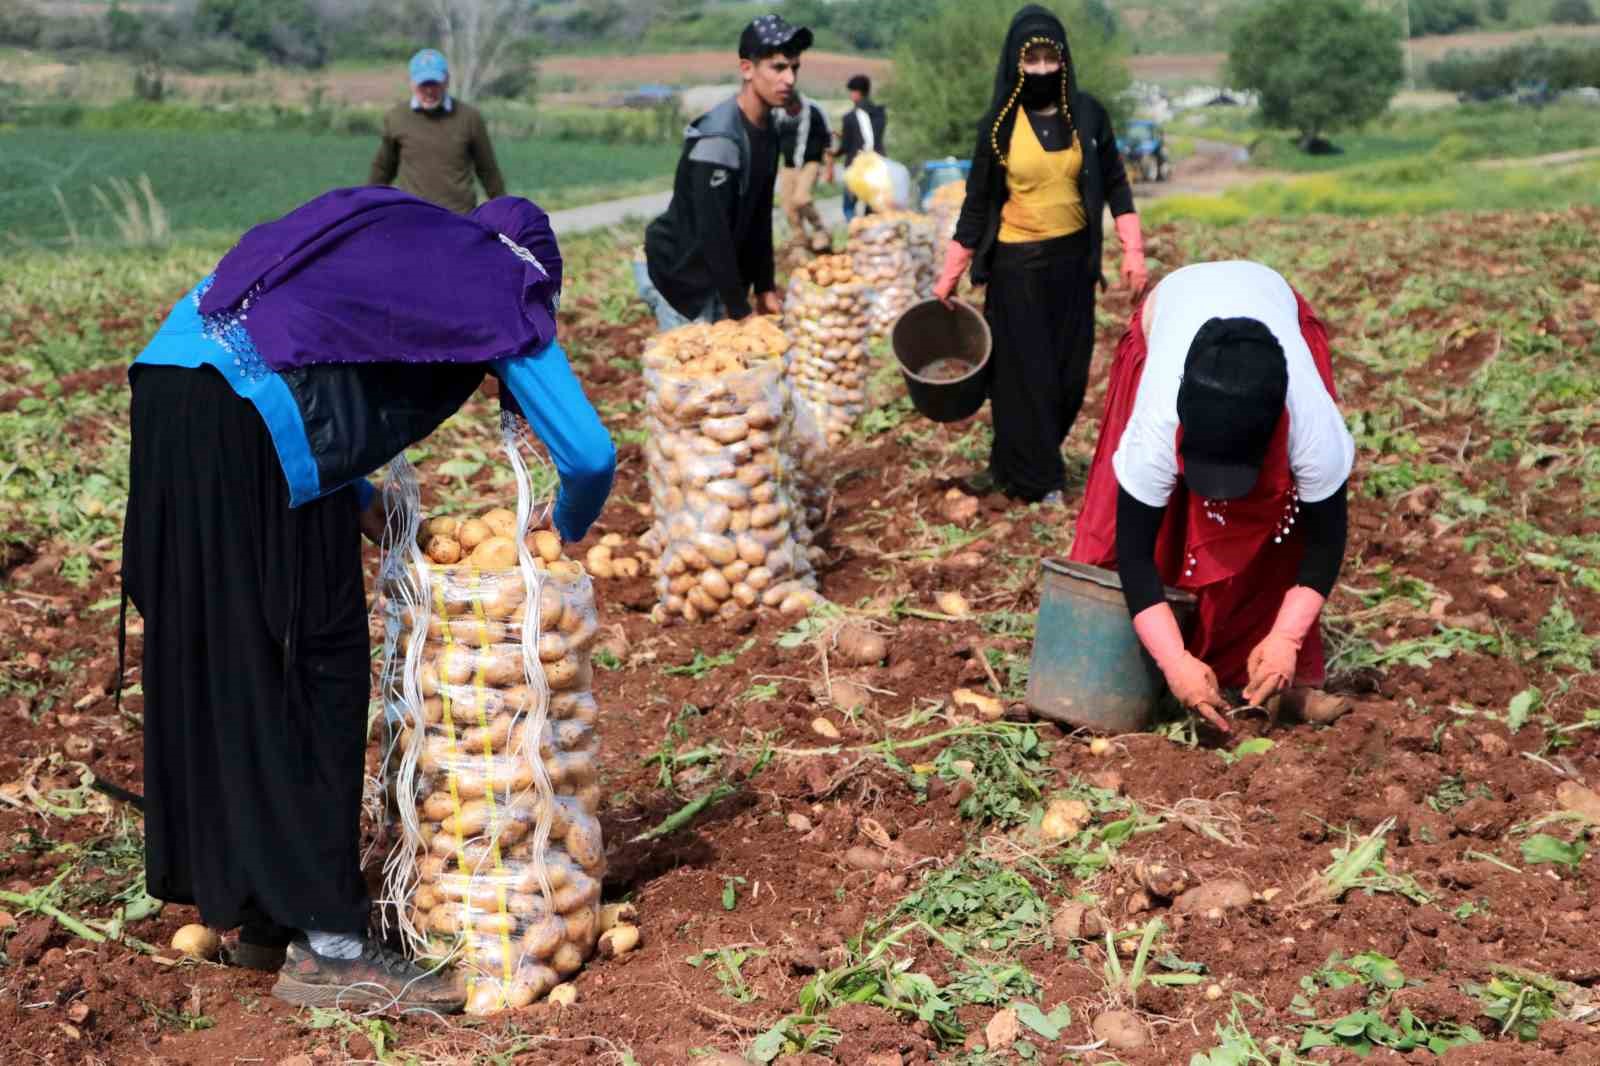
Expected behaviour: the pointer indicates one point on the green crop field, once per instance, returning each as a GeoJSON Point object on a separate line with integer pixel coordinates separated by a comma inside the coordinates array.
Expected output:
{"type": "Point", "coordinates": [224, 182]}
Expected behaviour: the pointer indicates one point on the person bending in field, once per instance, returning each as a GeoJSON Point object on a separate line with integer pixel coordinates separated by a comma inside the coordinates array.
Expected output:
{"type": "Point", "coordinates": [311, 355]}
{"type": "Point", "coordinates": [1221, 469]}
{"type": "Point", "coordinates": [434, 146]}
{"type": "Point", "coordinates": [713, 245]}
{"type": "Point", "coordinates": [804, 145]}
{"type": "Point", "coordinates": [1044, 171]}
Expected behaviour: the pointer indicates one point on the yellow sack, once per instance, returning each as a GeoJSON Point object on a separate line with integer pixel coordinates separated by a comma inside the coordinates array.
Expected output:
{"type": "Point", "coordinates": [880, 183]}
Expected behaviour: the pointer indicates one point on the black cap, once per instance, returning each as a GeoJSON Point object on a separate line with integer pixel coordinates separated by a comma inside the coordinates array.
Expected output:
{"type": "Point", "coordinates": [1235, 382]}
{"type": "Point", "coordinates": [770, 35]}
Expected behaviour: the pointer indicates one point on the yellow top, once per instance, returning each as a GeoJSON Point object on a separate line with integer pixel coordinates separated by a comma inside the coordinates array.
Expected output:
{"type": "Point", "coordinates": [1042, 188]}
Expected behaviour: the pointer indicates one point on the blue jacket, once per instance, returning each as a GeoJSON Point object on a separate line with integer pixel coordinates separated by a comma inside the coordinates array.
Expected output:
{"type": "Point", "coordinates": [332, 424]}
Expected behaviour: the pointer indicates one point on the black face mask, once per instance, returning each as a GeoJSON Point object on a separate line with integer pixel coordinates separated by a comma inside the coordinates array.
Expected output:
{"type": "Point", "coordinates": [1041, 90]}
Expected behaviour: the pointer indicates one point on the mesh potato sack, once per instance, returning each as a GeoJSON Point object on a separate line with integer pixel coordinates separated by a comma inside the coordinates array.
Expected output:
{"type": "Point", "coordinates": [894, 254]}
{"type": "Point", "coordinates": [944, 210]}
{"type": "Point", "coordinates": [728, 527]}
{"type": "Point", "coordinates": [826, 317]}
{"type": "Point", "coordinates": [494, 764]}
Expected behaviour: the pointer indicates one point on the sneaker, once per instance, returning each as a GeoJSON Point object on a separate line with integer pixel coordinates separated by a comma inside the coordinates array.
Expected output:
{"type": "Point", "coordinates": [977, 483]}
{"type": "Point", "coordinates": [263, 957]}
{"type": "Point", "coordinates": [378, 977]}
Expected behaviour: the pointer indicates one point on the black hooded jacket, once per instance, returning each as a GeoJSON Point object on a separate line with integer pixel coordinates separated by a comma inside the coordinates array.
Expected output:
{"type": "Point", "coordinates": [1102, 180]}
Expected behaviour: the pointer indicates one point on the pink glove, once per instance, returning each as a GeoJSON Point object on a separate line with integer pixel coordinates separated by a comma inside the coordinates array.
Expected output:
{"type": "Point", "coordinates": [1134, 273]}
{"type": "Point", "coordinates": [1190, 680]}
{"type": "Point", "coordinates": [957, 258]}
{"type": "Point", "coordinates": [1272, 663]}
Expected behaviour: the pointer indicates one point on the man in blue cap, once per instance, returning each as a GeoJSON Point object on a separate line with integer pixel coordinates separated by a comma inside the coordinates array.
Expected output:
{"type": "Point", "coordinates": [433, 146]}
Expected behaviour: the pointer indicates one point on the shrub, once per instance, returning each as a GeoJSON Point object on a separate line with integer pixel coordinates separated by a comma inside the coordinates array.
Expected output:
{"type": "Point", "coordinates": [1442, 16]}
{"type": "Point", "coordinates": [287, 31]}
{"type": "Point", "coordinates": [1489, 74]}
{"type": "Point", "coordinates": [1574, 12]}
{"type": "Point", "coordinates": [1318, 68]}
{"type": "Point", "coordinates": [20, 24]}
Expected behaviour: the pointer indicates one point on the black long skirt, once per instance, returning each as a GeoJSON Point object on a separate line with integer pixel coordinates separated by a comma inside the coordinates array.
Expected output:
{"type": "Point", "coordinates": [1040, 308]}
{"type": "Point", "coordinates": [256, 670]}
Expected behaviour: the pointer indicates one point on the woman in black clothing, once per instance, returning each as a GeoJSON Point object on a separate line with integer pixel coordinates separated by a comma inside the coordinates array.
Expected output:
{"type": "Point", "coordinates": [1030, 229]}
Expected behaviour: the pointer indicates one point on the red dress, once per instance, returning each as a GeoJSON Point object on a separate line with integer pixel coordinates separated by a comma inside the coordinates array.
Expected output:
{"type": "Point", "coordinates": [1238, 557]}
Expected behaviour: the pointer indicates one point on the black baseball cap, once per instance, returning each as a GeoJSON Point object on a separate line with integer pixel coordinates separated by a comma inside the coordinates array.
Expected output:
{"type": "Point", "coordinates": [1235, 383]}
{"type": "Point", "coordinates": [770, 35]}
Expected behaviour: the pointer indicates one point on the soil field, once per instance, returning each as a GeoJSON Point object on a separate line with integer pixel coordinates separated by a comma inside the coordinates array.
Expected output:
{"type": "Point", "coordinates": [878, 887]}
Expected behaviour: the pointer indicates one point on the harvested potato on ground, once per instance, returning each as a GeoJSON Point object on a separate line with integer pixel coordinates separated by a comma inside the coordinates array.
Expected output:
{"type": "Point", "coordinates": [197, 941]}
{"type": "Point", "coordinates": [860, 646]}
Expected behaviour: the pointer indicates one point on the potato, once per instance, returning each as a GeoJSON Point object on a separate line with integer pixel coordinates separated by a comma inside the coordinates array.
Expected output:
{"type": "Point", "coordinates": [197, 941]}
{"type": "Point", "coordinates": [626, 567]}
{"type": "Point", "coordinates": [502, 774]}
{"type": "Point", "coordinates": [501, 521]}
{"type": "Point", "coordinates": [582, 891]}
{"type": "Point", "coordinates": [583, 843]}
{"type": "Point", "coordinates": [567, 960]}
{"type": "Point", "coordinates": [716, 585]}
{"type": "Point", "coordinates": [473, 532]}
{"type": "Point", "coordinates": [582, 926]}
{"type": "Point", "coordinates": [494, 553]}
{"type": "Point", "coordinates": [861, 647]}
{"type": "Point", "coordinates": [443, 526]}
{"type": "Point", "coordinates": [529, 984]}
{"type": "Point", "coordinates": [486, 997]}
{"type": "Point", "coordinates": [444, 550]}
{"type": "Point", "coordinates": [618, 941]}
{"type": "Point", "coordinates": [562, 674]}
{"type": "Point", "coordinates": [547, 544]}
{"type": "Point", "coordinates": [598, 560]}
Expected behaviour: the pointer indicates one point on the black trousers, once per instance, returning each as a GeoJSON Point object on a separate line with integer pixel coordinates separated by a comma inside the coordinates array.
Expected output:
{"type": "Point", "coordinates": [1040, 307]}
{"type": "Point", "coordinates": [256, 668]}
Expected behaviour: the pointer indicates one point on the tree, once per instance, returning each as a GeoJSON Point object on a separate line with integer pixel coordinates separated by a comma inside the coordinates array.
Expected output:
{"type": "Point", "coordinates": [1499, 10]}
{"type": "Point", "coordinates": [1573, 12]}
{"type": "Point", "coordinates": [1439, 17]}
{"type": "Point", "coordinates": [1318, 68]}
{"type": "Point", "coordinates": [480, 37]}
{"type": "Point", "coordinates": [944, 72]}
{"type": "Point", "coordinates": [287, 31]}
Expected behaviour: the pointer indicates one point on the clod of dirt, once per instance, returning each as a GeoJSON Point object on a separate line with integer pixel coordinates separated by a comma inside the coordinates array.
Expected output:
{"type": "Point", "coordinates": [1002, 1031]}
{"type": "Point", "coordinates": [824, 728]}
{"type": "Point", "coordinates": [197, 941]}
{"type": "Point", "coordinates": [618, 940]}
{"type": "Point", "coordinates": [799, 822]}
{"type": "Point", "coordinates": [614, 642]}
{"type": "Point", "coordinates": [78, 747]}
{"type": "Point", "coordinates": [29, 944]}
{"type": "Point", "coordinates": [1109, 780]}
{"type": "Point", "coordinates": [1162, 880]}
{"type": "Point", "coordinates": [1224, 894]}
{"type": "Point", "coordinates": [615, 914]}
{"type": "Point", "coordinates": [78, 1013]}
{"type": "Point", "coordinates": [1077, 921]}
{"type": "Point", "coordinates": [848, 695]}
{"type": "Point", "coordinates": [985, 707]}
{"type": "Point", "coordinates": [958, 507]}
{"type": "Point", "coordinates": [953, 604]}
{"type": "Point", "coordinates": [1064, 819]}
{"type": "Point", "coordinates": [861, 647]}
{"type": "Point", "coordinates": [722, 1058]}
{"type": "Point", "coordinates": [295, 1060]}
{"type": "Point", "coordinates": [1121, 1030]}
{"type": "Point", "coordinates": [1138, 902]}
{"type": "Point", "coordinates": [8, 921]}
{"type": "Point", "coordinates": [1581, 801]}
{"type": "Point", "coordinates": [864, 858]}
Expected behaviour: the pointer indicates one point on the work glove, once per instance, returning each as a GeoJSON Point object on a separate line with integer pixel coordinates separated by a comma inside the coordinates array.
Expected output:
{"type": "Point", "coordinates": [1192, 682]}
{"type": "Point", "coordinates": [1135, 274]}
{"type": "Point", "coordinates": [957, 258]}
{"type": "Point", "coordinates": [1272, 663]}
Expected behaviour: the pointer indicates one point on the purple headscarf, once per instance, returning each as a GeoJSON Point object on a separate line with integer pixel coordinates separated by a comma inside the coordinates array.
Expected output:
{"type": "Point", "coordinates": [375, 275]}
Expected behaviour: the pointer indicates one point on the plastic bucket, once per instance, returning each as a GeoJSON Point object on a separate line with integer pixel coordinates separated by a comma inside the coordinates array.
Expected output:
{"type": "Point", "coordinates": [1089, 669]}
{"type": "Point", "coordinates": [944, 356]}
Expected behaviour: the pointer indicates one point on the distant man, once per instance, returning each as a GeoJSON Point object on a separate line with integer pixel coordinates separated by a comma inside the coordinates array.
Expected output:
{"type": "Point", "coordinates": [713, 245]}
{"type": "Point", "coordinates": [432, 147]}
{"type": "Point", "coordinates": [862, 131]}
{"type": "Point", "coordinates": [804, 144]}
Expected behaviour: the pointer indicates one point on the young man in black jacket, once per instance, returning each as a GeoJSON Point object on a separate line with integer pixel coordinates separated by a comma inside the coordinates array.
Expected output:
{"type": "Point", "coordinates": [863, 131]}
{"type": "Point", "coordinates": [713, 245]}
{"type": "Point", "coordinates": [805, 144]}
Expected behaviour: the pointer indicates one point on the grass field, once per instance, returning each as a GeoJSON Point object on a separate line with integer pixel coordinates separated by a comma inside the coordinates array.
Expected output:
{"type": "Point", "coordinates": [226, 182]}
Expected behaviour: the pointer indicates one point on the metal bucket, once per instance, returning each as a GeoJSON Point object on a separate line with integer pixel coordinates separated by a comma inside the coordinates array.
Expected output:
{"type": "Point", "coordinates": [1089, 669]}
{"type": "Point", "coordinates": [929, 332]}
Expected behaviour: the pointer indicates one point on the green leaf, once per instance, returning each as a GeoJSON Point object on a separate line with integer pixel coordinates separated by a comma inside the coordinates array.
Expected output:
{"type": "Point", "coordinates": [1037, 1020]}
{"type": "Point", "coordinates": [1523, 704]}
{"type": "Point", "coordinates": [461, 468]}
{"type": "Point", "coordinates": [1254, 746]}
{"type": "Point", "coordinates": [1543, 848]}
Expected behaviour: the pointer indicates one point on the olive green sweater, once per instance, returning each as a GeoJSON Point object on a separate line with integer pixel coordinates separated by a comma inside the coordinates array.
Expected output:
{"type": "Point", "coordinates": [435, 153]}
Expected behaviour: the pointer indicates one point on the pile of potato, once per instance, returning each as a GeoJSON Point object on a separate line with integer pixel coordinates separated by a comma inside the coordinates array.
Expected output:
{"type": "Point", "coordinates": [477, 897]}
{"type": "Point", "coordinates": [825, 315]}
{"type": "Point", "coordinates": [896, 254]}
{"type": "Point", "coordinates": [728, 530]}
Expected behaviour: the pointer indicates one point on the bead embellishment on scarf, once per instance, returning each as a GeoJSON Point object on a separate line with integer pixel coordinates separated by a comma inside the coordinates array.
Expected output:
{"type": "Point", "coordinates": [227, 329]}
{"type": "Point", "coordinates": [1216, 510]}
{"type": "Point", "coordinates": [1189, 570]}
{"type": "Point", "coordinates": [1016, 91]}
